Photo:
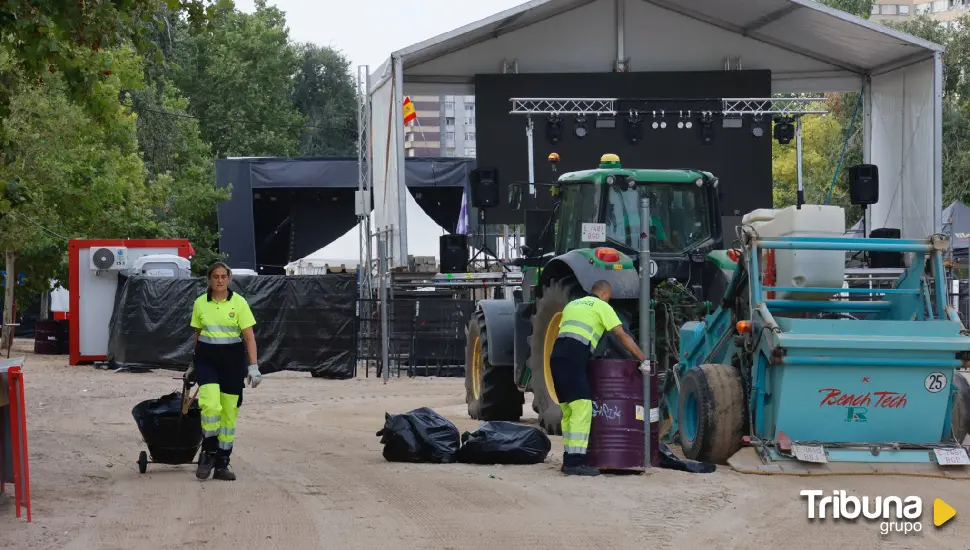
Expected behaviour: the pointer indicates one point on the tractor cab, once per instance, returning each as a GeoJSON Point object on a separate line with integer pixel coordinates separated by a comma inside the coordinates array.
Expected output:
{"type": "Point", "coordinates": [601, 208]}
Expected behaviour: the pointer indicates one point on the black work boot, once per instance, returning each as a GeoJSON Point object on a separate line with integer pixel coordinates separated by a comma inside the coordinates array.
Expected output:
{"type": "Point", "coordinates": [577, 467]}
{"type": "Point", "coordinates": [223, 471]}
{"type": "Point", "coordinates": [206, 462]}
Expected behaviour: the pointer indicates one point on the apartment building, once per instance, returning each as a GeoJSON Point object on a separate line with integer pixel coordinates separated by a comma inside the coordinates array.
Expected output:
{"type": "Point", "coordinates": [948, 11]}
{"type": "Point", "coordinates": [445, 127]}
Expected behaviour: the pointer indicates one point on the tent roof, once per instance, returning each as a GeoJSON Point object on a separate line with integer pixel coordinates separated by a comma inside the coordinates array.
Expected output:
{"type": "Point", "coordinates": [806, 29]}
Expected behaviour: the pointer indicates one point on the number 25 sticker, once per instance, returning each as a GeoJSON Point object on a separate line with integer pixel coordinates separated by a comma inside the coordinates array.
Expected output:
{"type": "Point", "coordinates": [935, 382]}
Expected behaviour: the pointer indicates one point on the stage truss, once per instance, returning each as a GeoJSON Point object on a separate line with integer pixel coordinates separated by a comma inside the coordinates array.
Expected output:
{"type": "Point", "coordinates": [783, 110]}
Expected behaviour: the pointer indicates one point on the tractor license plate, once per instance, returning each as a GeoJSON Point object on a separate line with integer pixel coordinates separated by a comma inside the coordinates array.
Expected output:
{"type": "Point", "coordinates": [952, 457]}
{"type": "Point", "coordinates": [809, 453]}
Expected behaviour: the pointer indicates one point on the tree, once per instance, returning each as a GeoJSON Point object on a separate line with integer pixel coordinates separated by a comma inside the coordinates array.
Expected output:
{"type": "Point", "coordinates": [821, 145]}
{"type": "Point", "coordinates": [74, 173]}
{"type": "Point", "coordinates": [325, 93]}
{"type": "Point", "coordinates": [59, 36]}
{"type": "Point", "coordinates": [861, 8]}
{"type": "Point", "coordinates": [238, 77]}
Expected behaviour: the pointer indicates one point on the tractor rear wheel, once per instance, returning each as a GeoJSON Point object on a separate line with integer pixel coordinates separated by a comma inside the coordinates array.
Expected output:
{"type": "Point", "coordinates": [711, 413]}
{"type": "Point", "coordinates": [960, 417]}
{"type": "Point", "coordinates": [545, 330]}
{"type": "Point", "coordinates": [490, 392]}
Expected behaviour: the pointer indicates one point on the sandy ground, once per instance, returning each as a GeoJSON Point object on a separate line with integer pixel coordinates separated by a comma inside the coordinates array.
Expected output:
{"type": "Point", "coordinates": [311, 475]}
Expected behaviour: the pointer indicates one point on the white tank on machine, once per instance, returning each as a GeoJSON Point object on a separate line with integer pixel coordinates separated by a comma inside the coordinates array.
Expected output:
{"type": "Point", "coordinates": [162, 265]}
{"type": "Point", "coordinates": [802, 268]}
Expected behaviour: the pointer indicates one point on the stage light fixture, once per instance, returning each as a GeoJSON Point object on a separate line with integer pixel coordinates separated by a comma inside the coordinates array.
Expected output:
{"type": "Point", "coordinates": [707, 128]}
{"type": "Point", "coordinates": [580, 127]}
{"type": "Point", "coordinates": [554, 129]}
{"type": "Point", "coordinates": [634, 126]}
{"type": "Point", "coordinates": [757, 127]}
{"type": "Point", "coordinates": [784, 130]}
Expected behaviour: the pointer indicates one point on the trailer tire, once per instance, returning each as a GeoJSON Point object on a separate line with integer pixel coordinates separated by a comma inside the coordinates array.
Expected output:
{"type": "Point", "coordinates": [960, 417]}
{"type": "Point", "coordinates": [490, 391]}
{"type": "Point", "coordinates": [711, 413]}
{"type": "Point", "coordinates": [549, 307]}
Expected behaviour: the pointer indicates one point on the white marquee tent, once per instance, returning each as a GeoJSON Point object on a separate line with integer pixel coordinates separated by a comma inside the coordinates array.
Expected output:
{"type": "Point", "coordinates": [808, 46]}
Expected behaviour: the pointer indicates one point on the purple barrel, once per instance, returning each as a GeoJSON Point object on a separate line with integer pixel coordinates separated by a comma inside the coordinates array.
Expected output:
{"type": "Point", "coordinates": [616, 437]}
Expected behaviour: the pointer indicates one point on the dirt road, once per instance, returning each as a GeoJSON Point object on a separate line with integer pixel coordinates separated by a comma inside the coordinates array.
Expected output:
{"type": "Point", "coordinates": [311, 476]}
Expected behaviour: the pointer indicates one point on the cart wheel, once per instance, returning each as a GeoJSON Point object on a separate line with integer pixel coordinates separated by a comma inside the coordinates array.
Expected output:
{"type": "Point", "coordinates": [142, 462]}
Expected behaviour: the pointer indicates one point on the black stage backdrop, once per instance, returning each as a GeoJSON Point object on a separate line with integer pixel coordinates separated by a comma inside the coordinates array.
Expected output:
{"type": "Point", "coordinates": [283, 209]}
{"type": "Point", "coordinates": [303, 323]}
{"type": "Point", "coordinates": [741, 161]}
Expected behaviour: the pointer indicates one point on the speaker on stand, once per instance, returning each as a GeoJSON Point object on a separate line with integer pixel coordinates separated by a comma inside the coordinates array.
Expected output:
{"type": "Point", "coordinates": [484, 195]}
{"type": "Point", "coordinates": [864, 191]}
{"type": "Point", "coordinates": [453, 250]}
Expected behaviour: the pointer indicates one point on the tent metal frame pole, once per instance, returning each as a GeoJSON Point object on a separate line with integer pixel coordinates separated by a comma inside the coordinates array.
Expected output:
{"type": "Point", "coordinates": [800, 197]}
{"type": "Point", "coordinates": [529, 134]}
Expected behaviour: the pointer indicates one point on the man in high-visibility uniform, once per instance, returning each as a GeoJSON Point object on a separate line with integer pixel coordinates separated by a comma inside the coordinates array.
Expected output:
{"type": "Point", "coordinates": [583, 323]}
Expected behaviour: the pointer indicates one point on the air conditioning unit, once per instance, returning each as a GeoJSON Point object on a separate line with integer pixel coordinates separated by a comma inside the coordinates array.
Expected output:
{"type": "Point", "coordinates": [105, 258]}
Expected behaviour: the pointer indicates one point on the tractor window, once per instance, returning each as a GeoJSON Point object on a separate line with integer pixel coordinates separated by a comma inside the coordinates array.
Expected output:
{"type": "Point", "coordinates": [580, 204]}
{"type": "Point", "coordinates": [678, 212]}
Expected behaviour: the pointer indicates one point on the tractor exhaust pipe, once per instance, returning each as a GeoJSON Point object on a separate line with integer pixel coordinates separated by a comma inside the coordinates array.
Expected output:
{"type": "Point", "coordinates": [645, 324]}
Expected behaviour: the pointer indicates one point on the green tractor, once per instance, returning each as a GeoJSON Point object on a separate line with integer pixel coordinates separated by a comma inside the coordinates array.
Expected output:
{"type": "Point", "coordinates": [596, 228]}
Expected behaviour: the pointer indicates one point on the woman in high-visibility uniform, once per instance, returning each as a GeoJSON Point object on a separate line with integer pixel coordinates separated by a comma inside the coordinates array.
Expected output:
{"type": "Point", "coordinates": [223, 324]}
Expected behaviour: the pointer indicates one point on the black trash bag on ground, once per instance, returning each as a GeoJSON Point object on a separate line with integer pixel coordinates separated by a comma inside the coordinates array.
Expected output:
{"type": "Point", "coordinates": [171, 437]}
{"type": "Point", "coordinates": [504, 443]}
{"type": "Point", "coordinates": [421, 435]}
{"type": "Point", "coordinates": [671, 461]}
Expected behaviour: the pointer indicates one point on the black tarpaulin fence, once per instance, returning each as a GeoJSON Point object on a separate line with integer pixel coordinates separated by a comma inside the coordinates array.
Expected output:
{"type": "Point", "coordinates": [303, 323]}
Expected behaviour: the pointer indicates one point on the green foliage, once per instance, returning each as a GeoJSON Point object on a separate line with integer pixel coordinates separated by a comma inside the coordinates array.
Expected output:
{"type": "Point", "coordinates": [239, 77]}
{"type": "Point", "coordinates": [861, 8]}
{"type": "Point", "coordinates": [325, 93]}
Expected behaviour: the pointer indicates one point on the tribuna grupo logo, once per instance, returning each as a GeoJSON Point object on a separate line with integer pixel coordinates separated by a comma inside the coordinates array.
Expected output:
{"type": "Point", "coordinates": [895, 514]}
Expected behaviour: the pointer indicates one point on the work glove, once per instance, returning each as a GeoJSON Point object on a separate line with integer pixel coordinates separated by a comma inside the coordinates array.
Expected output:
{"type": "Point", "coordinates": [254, 377]}
{"type": "Point", "coordinates": [645, 367]}
{"type": "Point", "coordinates": [189, 375]}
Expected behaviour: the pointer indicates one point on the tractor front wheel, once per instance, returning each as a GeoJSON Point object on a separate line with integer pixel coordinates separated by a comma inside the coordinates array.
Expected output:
{"type": "Point", "coordinates": [490, 391]}
{"type": "Point", "coordinates": [545, 330]}
{"type": "Point", "coordinates": [711, 413]}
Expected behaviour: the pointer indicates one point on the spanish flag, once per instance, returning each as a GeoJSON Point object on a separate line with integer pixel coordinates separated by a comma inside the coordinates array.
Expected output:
{"type": "Point", "coordinates": [409, 112]}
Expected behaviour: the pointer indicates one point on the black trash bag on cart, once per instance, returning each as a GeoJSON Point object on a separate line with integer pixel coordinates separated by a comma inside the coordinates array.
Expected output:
{"type": "Point", "coordinates": [171, 438]}
{"type": "Point", "coordinates": [421, 435]}
{"type": "Point", "coordinates": [504, 443]}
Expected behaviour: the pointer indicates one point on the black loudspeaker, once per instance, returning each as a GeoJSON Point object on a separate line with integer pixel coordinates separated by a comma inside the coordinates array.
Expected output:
{"type": "Point", "coordinates": [864, 184]}
{"type": "Point", "coordinates": [484, 187]}
{"type": "Point", "coordinates": [886, 260]}
{"type": "Point", "coordinates": [535, 222]}
{"type": "Point", "coordinates": [453, 250]}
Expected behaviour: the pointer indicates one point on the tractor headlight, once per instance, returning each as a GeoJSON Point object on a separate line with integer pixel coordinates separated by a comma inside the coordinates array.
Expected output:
{"type": "Point", "coordinates": [700, 182]}
{"type": "Point", "coordinates": [610, 180]}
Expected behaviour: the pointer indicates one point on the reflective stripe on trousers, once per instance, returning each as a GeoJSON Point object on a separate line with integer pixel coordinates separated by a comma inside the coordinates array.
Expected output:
{"type": "Point", "coordinates": [219, 412]}
{"type": "Point", "coordinates": [219, 334]}
{"type": "Point", "coordinates": [577, 417]}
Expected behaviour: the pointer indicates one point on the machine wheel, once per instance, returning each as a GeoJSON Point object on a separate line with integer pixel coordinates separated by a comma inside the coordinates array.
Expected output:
{"type": "Point", "coordinates": [960, 417]}
{"type": "Point", "coordinates": [490, 392]}
{"type": "Point", "coordinates": [142, 462]}
{"type": "Point", "coordinates": [545, 330]}
{"type": "Point", "coordinates": [711, 413]}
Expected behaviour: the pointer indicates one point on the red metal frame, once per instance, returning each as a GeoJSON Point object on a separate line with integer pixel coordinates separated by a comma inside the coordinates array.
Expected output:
{"type": "Point", "coordinates": [74, 247]}
{"type": "Point", "coordinates": [18, 426]}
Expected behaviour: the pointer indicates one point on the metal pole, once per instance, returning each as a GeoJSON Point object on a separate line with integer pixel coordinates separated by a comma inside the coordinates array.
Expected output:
{"type": "Point", "coordinates": [532, 161]}
{"type": "Point", "coordinates": [798, 155]}
{"type": "Point", "coordinates": [645, 328]}
{"type": "Point", "coordinates": [385, 323]}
